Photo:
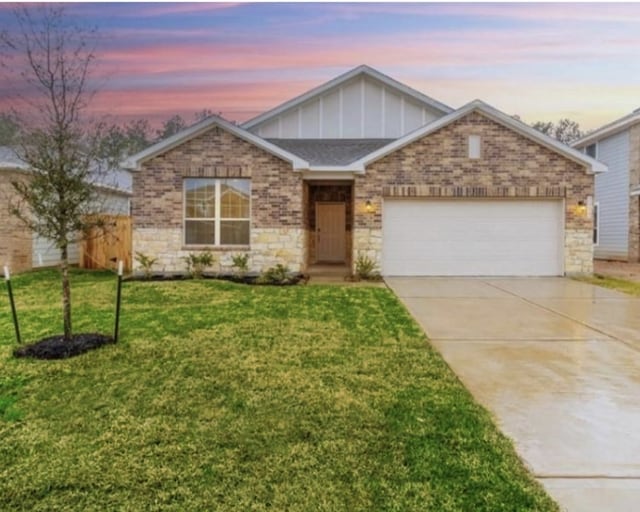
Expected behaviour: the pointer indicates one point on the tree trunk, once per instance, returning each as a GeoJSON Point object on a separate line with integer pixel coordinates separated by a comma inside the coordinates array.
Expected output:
{"type": "Point", "coordinates": [66, 293]}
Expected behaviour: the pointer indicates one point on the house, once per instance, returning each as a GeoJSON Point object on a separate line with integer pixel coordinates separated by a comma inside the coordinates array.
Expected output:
{"type": "Point", "coordinates": [21, 249]}
{"type": "Point", "coordinates": [616, 207]}
{"type": "Point", "coordinates": [364, 166]}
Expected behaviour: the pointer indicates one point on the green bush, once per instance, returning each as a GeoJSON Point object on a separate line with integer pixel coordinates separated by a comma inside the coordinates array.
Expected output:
{"type": "Point", "coordinates": [275, 275]}
{"type": "Point", "coordinates": [146, 262]}
{"type": "Point", "coordinates": [240, 262]}
{"type": "Point", "coordinates": [367, 269]}
{"type": "Point", "coordinates": [197, 263]}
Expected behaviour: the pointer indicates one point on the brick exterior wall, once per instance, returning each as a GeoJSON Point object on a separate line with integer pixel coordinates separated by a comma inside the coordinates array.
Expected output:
{"type": "Point", "coordinates": [15, 238]}
{"type": "Point", "coordinates": [277, 232]}
{"type": "Point", "coordinates": [510, 166]}
{"type": "Point", "coordinates": [634, 202]}
{"type": "Point", "coordinates": [436, 165]}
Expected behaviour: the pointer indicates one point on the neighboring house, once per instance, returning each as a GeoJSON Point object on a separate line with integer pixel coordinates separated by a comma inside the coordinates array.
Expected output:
{"type": "Point", "coordinates": [366, 166]}
{"type": "Point", "coordinates": [616, 206]}
{"type": "Point", "coordinates": [21, 249]}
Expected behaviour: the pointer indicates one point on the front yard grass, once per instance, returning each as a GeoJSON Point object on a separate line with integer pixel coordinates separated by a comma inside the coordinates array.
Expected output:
{"type": "Point", "coordinates": [228, 397]}
{"type": "Point", "coordinates": [614, 283]}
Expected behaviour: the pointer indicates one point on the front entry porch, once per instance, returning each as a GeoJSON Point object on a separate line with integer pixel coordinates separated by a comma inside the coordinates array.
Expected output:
{"type": "Point", "coordinates": [328, 223]}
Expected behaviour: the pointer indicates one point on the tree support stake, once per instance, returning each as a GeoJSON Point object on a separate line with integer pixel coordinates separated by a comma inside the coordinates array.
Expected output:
{"type": "Point", "coordinates": [7, 277]}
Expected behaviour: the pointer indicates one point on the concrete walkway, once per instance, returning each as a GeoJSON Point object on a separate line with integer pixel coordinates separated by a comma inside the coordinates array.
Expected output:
{"type": "Point", "coordinates": [558, 364]}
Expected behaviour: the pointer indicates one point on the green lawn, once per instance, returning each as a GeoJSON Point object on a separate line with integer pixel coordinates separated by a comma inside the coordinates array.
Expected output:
{"type": "Point", "coordinates": [614, 283]}
{"type": "Point", "coordinates": [227, 397]}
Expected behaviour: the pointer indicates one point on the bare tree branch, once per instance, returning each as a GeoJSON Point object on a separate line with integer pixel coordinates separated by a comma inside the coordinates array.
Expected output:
{"type": "Point", "coordinates": [52, 59]}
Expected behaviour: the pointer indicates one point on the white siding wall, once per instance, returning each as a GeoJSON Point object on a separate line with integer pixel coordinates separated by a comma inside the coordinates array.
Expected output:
{"type": "Point", "coordinates": [612, 194]}
{"type": "Point", "coordinates": [114, 204]}
{"type": "Point", "coordinates": [44, 252]}
{"type": "Point", "coordinates": [359, 108]}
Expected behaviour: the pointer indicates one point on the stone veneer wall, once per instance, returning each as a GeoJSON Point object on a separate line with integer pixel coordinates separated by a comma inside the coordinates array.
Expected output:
{"type": "Point", "coordinates": [634, 201]}
{"type": "Point", "coordinates": [269, 246]}
{"type": "Point", "coordinates": [511, 165]}
{"type": "Point", "coordinates": [277, 234]}
{"type": "Point", "coordinates": [15, 239]}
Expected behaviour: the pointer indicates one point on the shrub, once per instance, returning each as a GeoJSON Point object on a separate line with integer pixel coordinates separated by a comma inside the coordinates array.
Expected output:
{"type": "Point", "coordinates": [275, 275]}
{"type": "Point", "coordinates": [146, 262]}
{"type": "Point", "coordinates": [240, 262]}
{"type": "Point", "coordinates": [367, 269]}
{"type": "Point", "coordinates": [197, 263]}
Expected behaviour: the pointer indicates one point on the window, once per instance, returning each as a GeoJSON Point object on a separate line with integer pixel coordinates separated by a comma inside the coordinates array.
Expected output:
{"type": "Point", "coordinates": [591, 150]}
{"type": "Point", "coordinates": [216, 211]}
{"type": "Point", "coordinates": [474, 146]}
{"type": "Point", "coordinates": [596, 223]}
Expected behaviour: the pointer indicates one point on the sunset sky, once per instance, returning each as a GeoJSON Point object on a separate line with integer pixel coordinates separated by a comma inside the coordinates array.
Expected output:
{"type": "Point", "coordinates": [540, 61]}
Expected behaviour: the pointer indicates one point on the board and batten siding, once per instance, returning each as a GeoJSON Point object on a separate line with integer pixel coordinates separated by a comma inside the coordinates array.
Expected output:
{"type": "Point", "coordinates": [612, 195]}
{"type": "Point", "coordinates": [361, 108]}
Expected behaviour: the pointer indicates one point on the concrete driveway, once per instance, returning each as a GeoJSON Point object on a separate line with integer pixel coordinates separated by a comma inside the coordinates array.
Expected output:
{"type": "Point", "coordinates": [558, 364]}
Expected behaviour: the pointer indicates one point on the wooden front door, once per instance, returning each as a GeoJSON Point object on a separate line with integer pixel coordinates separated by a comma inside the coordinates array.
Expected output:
{"type": "Point", "coordinates": [330, 232]}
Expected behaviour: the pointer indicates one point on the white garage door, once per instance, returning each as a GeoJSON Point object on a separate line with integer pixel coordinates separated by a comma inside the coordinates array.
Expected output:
{"type": "Point", "coordinates": [472, 237]}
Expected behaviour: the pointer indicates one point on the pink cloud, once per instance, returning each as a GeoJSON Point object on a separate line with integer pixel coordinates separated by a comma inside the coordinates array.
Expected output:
{"type": "Point", "coordinates": [161, 9]}
{"type": "Point", "coordinates": [236, 101]}
{"type": "Point", "coordinates": [436, 51]}
{"type": "Point", "coordinates": [597, 12]}
{"type": "Point", "coordinates": [152, 9]}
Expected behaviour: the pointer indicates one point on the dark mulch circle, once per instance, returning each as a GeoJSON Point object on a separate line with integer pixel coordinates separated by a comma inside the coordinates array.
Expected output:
{"type": "Point", "coordinates": [55, 347]}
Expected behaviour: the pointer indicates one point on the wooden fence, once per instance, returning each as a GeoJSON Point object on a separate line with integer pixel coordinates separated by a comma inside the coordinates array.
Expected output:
{"type": "Point", "coordinates": [105, 246]}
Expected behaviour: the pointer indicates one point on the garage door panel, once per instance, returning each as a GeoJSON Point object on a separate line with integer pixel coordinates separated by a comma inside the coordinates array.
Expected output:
{"type": "Point", "coordinates": [462, 237]}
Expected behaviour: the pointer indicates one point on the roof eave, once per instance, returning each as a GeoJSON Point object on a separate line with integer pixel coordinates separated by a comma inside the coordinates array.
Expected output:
{"type": "Point", "coordinates": [134, 162]}
{"type": "Point", "coordinates": [607, 130]}
{"type": "Point", "coordinates": [10, 166]}
{"type": "Point", "coordinates": [591, 164]}
{"type": "Point", "coordinates": [114, 190]}
{"type": "Point", "coordinates": [350, 168]}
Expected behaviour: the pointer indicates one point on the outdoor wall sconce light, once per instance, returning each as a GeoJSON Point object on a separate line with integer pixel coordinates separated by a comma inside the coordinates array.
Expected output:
{"type": "Point", "coordinates": [581, 208]}
{"type": "Point", "coordinates": [368, 206]}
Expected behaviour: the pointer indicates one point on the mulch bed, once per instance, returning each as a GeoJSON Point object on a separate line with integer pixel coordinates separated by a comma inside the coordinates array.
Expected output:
{"type": "Point", "coordinates": [252, 279]}
{"type": "Point", "coordinates": [56, 347]}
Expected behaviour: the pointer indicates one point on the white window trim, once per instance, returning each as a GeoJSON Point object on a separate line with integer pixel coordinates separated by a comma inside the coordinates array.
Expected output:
{"type": "Point", "coordinates": [217, 220]}
{"type": "Point", "coordinates": [596, 224]}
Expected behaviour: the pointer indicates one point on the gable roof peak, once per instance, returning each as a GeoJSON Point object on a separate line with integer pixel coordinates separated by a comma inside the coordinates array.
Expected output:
{"type": "Point", "coordinates": [362, 69]}
{"type": "Point", "coordinates": [134, 161]}
{"type": "Point", "coordinates": [497, 116]}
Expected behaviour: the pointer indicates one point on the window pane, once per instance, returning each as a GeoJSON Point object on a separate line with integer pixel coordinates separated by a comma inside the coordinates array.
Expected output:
{"type": "Point", "coordinates": [234, 232]}
{"type": "Point", "coordinates": [199, 232]}
{"type": "Point", "coordinates": [200, 198]}
{"type": "Point", "coordinates": [235, 199]}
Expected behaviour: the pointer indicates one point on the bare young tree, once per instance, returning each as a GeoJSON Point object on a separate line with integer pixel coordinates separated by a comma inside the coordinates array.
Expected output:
{"type": "Point", "coordinates": [8, 130]}
{"type": "Point", "coordinates": [170, 127]}
{"type": "Point", "coordinates": [49, 61]}
{"type": "Point", "coordinates": [565, 130]}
